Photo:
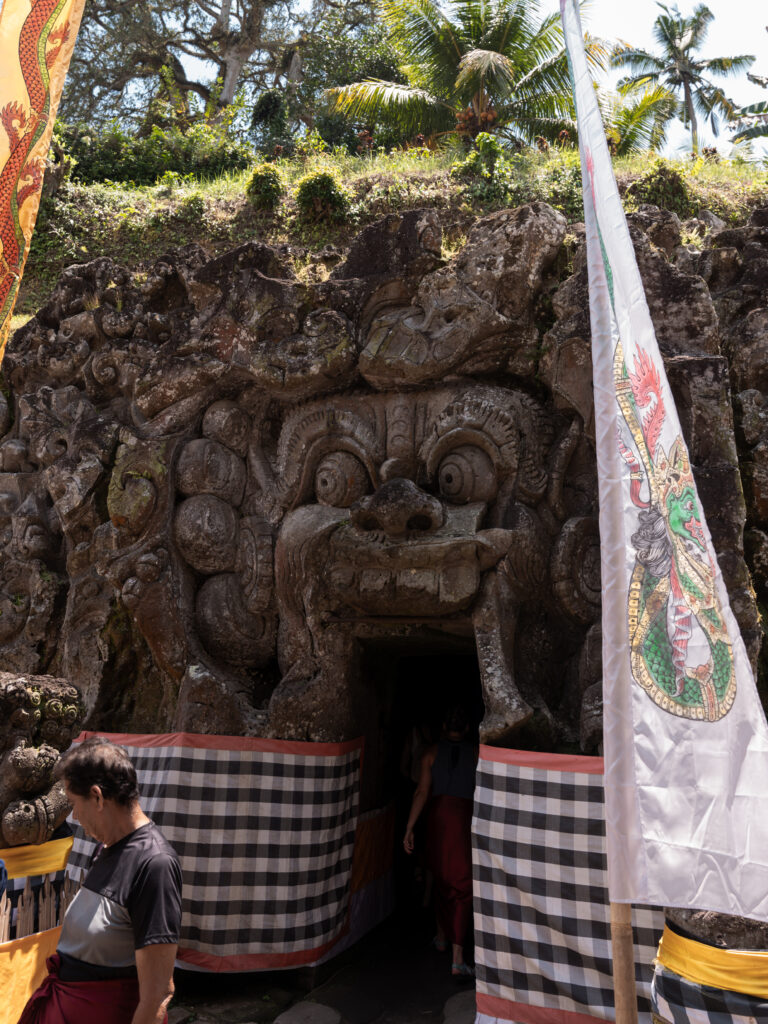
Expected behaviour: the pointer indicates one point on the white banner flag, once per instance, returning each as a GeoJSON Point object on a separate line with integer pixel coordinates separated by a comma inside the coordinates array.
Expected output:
{"type": "Point", "coordinates": [685, 736]}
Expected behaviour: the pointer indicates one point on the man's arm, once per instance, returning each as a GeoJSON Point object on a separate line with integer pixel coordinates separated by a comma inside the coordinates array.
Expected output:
{"type": "Point", "coordinates": [154, 965]}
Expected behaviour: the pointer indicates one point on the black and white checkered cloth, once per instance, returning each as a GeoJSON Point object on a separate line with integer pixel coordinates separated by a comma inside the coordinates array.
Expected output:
{"type": "Point", "coordinates": [542, 920]}
{"type": "Point", "coordinates": [265, 833]}
{"type": "Point", "coordinates": [677, 1001]}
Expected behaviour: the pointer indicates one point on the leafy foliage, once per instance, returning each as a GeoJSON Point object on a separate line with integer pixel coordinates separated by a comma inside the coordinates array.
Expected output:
{"type": "Point", "coordinates": [265, 187]}
{"type": "Point", "coordinates": [471, 66]}
{"type": "Point", "coordinates": [636, 118]}
{"type": "Point", "coordinates": [560, 186]}
{"type": "Point", "coordinates": [495, 175]}
{"type": "Point", "coordinates": [663, 185]}
{"type": "Point", "coordinates": [482, 160]}
{"type": "Point", "coordinates": [754, 119]}
{"type": "Point", "coordinates": [190, 58]}
{"type": "Point", "coordinates": [345, 46]}
{"type": "Point", "coordinates": [679, 69]}
{"type": "Point", "coordinates": [112, 154]}
{"type": "Point", "coordinates": [270, 122]}
{"type": "Point", "coordinates": [321, 196]}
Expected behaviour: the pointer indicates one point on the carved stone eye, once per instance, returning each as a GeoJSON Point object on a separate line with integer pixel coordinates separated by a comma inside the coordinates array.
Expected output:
{"type": "Point", "coordinates": [466, 474]}
{"type": "Point", "coordinates": [340, 479]}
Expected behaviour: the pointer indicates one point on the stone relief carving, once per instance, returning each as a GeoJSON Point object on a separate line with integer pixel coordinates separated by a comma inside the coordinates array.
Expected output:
{"type": "Point", "coordinates": [218, 484]}
{"type": "Point", "coordinates": [40, 716]}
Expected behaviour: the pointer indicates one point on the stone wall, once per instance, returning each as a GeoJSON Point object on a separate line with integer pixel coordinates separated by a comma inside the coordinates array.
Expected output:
{"type": "Point", "coordinates": [217, 481]}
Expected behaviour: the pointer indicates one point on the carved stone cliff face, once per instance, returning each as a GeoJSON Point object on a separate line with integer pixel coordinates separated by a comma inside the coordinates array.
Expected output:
{"type": "Point", "coordinates": [218, 483]}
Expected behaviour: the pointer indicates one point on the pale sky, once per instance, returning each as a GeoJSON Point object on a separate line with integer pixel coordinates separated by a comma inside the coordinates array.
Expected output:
{"type": "Point", "coordinates": [739, 27]}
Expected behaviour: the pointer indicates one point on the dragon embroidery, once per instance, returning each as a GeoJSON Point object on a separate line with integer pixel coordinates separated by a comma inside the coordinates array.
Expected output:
{"type": "Point", "coordinates": [21, 177]}
{"type": "Point", "coordinates": [680, 649]}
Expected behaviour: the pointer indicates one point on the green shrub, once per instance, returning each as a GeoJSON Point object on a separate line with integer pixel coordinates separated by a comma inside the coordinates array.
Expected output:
{"type": "Point", "coordinates": [191, 209]}
{"type": "Point", "coordinates": [311, 144]}
{"type": "Point", "coordinates": [265, 187]}
{"type": "Point", "coordinates": [482, 161]}
{"type": "Point", "coordinates": [321, 196]}
{"type": "Point", "coordinates": [203, 151]}
{"type": "Point", "coordinates": [560, 186]}
{"type": "Point", "coordinates": [663, 185]}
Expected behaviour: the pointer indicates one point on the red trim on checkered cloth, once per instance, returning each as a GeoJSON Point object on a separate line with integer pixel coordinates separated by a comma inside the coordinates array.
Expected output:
{"type": "Point", "coordinates": [523, 1013]}
{"type": "Point", "coordinates": [201, 742]}
{"type": "Point", "coordinates": [257, 961]}
{"type": "Point", "coordinates": [547, 762]}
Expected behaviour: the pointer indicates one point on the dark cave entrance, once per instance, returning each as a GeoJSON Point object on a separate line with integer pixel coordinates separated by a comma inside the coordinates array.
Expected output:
{"type": "Point", "coordinates": [411, 685]}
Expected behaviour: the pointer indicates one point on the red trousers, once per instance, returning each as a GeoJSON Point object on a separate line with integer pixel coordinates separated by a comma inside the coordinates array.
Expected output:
{"type": "Point", "coordinates": [81, 1002]}
{"type": "Point", "coordinates": [449, 858]}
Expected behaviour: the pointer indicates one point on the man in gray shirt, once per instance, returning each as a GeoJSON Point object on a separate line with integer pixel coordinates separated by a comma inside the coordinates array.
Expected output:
{"type": "Point", "coordinates": [120, 934]}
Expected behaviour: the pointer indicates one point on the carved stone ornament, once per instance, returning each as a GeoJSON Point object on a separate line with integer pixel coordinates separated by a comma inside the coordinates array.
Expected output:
{"type": "Point", "coordinates": [39, 716]}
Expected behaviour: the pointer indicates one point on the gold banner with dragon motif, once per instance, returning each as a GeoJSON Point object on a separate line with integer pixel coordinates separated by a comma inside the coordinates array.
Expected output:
{"type": "Point", "coordinates": [36, 42]}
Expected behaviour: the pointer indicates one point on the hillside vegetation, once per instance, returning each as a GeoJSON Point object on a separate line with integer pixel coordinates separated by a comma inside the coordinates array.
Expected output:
{"type": "Point", "coordinates": [136, 224]}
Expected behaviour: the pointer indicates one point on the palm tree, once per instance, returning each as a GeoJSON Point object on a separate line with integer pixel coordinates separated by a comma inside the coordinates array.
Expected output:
{"type": "Point", "coordinates": [679, 69]}
{"type": "Point", "coordinates": [472, 66]}
{"type": "Point", "coordinates": [636, 117]}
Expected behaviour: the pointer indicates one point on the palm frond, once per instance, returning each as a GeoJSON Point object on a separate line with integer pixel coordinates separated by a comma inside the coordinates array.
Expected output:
{"type": "Point", "coordinates": [636, 119]}
{"type": "Point", "coordinates": [698, 26]}
{"type": "Point", "coordinates": [760, 108]}
{"type": "Point", "coordinates": [527, 125]}
{"type": "Point", "coordinates": [640, 61]}
{"type": "Point", "coordinates": [486, 70]}
{"type": "Point", "coordinates": [712, 102]}
{"type": "Point", "coordinates": [416, 110]}
{"type": "Point", "coordinates": [549, 76]}
{"type": "Point", "coordinates": [479, 18]}
{"type": "Point", "coordinates": [598, 52]}
{"type": "Point", "coordinates": [425, 36]}
{"type": "Point", "coordinates": [728, 65]}
{"type": "Point", "coordinates": [511, 28]}
{"type": "Point", "coordinates": [757, 131]}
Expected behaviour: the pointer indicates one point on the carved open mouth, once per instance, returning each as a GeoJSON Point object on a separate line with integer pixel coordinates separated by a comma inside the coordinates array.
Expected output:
{"type": "Point", "coordinates": [417, 573]}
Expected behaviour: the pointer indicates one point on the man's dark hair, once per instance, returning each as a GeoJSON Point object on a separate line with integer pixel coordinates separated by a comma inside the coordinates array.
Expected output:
{"type": "Point", "coordinates": [99, 762]}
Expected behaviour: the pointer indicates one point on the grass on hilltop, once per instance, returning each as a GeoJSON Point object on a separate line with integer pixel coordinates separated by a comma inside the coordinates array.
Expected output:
{"type": "Point", "coordinates": [134, 225]}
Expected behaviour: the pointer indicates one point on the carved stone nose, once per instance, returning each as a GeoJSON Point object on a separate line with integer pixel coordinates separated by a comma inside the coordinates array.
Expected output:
{"type": "Point", "coordinates": [398, 507]}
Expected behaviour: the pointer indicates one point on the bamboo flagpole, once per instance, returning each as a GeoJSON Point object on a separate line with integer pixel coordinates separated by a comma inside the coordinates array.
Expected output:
{"type": "Point", "coordinates": [685, 735]}
{"type": "Point", "coordinates": [623, 948]}
{"type": "Point", "coordinates": [37, 38]}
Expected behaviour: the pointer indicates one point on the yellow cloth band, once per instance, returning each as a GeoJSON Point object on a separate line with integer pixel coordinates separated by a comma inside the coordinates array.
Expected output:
{"type": "Point", "coordinates": [22, 968]}
{"type": "Point", "coordinates": [736, 970]}
{"type": "Point", "coordinates": [21, 861]}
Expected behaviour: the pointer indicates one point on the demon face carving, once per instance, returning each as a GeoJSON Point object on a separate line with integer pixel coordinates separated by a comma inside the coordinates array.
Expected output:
{"type": "Point", "coordinates": [303, 531]}
{"type": "Point", "coordinates": [403, 510]}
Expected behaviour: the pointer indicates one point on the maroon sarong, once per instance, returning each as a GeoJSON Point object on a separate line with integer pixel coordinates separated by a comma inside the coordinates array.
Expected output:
{"type": "Point", "coordinates": [81, 1002]}
{"type": "Point", "coordinates": [449, 858]}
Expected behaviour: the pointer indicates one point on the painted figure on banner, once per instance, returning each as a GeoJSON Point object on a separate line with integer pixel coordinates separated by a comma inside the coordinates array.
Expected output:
{"type": "Point", "coordinates": [680, 648]}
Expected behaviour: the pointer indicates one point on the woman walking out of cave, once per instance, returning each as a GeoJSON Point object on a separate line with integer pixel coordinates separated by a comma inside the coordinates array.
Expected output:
{"type": "Point", "coordinates": [446, 787]}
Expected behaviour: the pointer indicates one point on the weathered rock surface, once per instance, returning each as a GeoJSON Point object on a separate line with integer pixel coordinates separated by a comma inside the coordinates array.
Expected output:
{"type": "Point", "coordinates": [219, 483]}
{"type": "Point", "coordinates": [39, 718]}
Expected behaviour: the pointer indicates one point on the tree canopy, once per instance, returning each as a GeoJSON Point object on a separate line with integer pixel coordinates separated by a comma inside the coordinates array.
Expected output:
{"type": "Point", "coordinates": [680, 69]}
{"type": "Point", "coordinates": [481, 65]}
{"type": "Point", "coordinates": [195, 56]}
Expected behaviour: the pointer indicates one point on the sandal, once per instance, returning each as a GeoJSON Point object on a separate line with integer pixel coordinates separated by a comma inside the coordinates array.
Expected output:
{"type": "Point", "coordinates": [462, 971]}
{"type": "Point", "coordinates": [439, 944]}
